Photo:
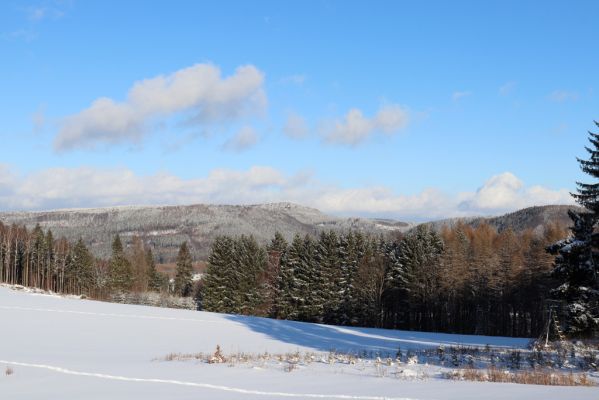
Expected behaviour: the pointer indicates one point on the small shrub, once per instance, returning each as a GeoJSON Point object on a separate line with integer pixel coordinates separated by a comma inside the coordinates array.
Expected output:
{"type": "Point", "coordinates": [218, 357]}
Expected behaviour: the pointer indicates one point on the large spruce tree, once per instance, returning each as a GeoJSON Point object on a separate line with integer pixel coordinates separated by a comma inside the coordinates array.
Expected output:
{"type": "Point", "coordinates": [577, 256]}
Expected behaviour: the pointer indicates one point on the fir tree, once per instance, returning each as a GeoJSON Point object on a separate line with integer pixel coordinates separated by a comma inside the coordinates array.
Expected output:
{"type": "Point", "coordinates": [218, 279]}
{"type": "Point", "coordinates": [184, 273]}
{"type": "Point", "coordinates": [327, 257]}
{"type": "Point", "coordinates": [270, 290]}
{"type": "Point", "coordinates": [415, 276]}
{"type": "Point", "coordinates": [290, 296]}
{"type": "Point", "coordinates": [575, 262]}
{"type": "Point", "coordinates": [576, 269]}
{"type": "Point", "coordinates": [250, 264]}
{"type": "Point", "coordinates": [119, 270]}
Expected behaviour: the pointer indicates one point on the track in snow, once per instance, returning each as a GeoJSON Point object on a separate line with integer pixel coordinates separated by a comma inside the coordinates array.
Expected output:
{"type": "Point", "coordinates": [199, 384]}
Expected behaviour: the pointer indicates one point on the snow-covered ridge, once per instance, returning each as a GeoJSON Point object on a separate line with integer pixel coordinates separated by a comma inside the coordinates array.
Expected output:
{"type": "Point", "coordinates": [166, 227]}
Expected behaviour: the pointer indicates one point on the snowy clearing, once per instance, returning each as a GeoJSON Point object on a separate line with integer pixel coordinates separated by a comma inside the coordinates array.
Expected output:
{"type": "Point", "coordinates": [73, 349]}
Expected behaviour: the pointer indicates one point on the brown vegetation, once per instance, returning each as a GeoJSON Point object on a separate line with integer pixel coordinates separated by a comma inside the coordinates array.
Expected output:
{"type": "Point", "coordinates": [532, 377]}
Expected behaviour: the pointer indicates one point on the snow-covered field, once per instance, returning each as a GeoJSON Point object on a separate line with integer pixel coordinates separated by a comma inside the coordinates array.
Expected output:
{"type": "Point", "coordinates": [65, 348]}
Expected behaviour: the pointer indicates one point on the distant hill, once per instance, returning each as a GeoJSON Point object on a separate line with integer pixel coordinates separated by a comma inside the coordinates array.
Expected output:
{"type": "Point", "coordinates": [533, 218]}
{"type": "Point", "coordinates": [164, 228]}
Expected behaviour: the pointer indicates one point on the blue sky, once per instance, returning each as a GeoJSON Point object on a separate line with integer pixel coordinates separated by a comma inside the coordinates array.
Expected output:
{"type": "Point", "coordinates": [412, 110]}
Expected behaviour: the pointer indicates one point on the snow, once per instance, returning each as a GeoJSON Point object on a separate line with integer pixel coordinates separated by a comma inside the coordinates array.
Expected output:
{"type": "Point", "coordinates": [66, 348]}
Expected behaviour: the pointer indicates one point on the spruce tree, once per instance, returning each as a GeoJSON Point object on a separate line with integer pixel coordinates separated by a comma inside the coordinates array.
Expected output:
{"type": "Point", "coordinates": [289, 298]}
{"type": "Point", "coordinates": [415, 277]}
{"type": "Point", "coordinates": [327, 257]}
{"type": "Point", "coordinates": [270, 290]}
{"type": "Point", "coordinates": [576, 269]}
{"type": "Point", "coordinates": [217, 286]}
{"type": "Point", "coordinates": [79, 268]}
{"type": "Point", "coordinates": [575, 264]}
{"type": "Point", "coordinates": [119, 270]}
{"type": "Point", "coordinates": [184, 273]}
{"type": "Point", "coordinates": [250, 265]}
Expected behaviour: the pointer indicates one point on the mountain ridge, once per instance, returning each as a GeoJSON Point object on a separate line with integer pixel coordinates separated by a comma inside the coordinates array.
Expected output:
{"type": "Point", "coordinates": [165, 227]}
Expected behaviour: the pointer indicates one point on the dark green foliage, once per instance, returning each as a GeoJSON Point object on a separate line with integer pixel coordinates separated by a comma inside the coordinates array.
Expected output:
{"type": "Point", "coordinates": [120, 271]}
{"type": "Point", "coordinates": [218, 280]}
{"type": "Point", "coordinates": [414, 277]}
{"type": "Point", "coordinates": [576, 269]}
{"type": "Point", "coordinates": [575, 263]}
{"type": "Point", "coordinates": [184, 272]}
{"type": "Point", "coordinates": [233, 282]}
{"type": "Point", "coordinates": [79, 267]}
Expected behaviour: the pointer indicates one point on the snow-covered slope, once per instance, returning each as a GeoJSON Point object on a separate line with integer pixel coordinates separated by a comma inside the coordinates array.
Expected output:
{"type": "Point", "coordinates": [61, 348]}
{"type": "Point", "coordinates": [164, 228]}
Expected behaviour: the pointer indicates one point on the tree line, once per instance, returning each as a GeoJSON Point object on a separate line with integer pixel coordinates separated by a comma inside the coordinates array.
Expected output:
{"type": "Point", "coordinates": [463, 279]}
{"type": "Point", "coordinates": [35, 258]}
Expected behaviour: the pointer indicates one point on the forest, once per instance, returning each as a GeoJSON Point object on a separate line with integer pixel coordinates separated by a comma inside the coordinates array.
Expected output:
{"type": "Point", "coordinates": [460, 278]}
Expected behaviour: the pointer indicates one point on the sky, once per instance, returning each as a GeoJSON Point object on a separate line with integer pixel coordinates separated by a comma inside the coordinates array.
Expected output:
{"type": "Point", "coordinates": [407, 110]}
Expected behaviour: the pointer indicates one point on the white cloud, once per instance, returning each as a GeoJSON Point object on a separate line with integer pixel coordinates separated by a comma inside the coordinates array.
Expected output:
{"type": "Point", "coordinates": [199, 91]}
{"type": "Point", "coordinates": [354, 128]}
{"type": "Point", "coordinates": [561, 96]}
{"type": "Point", "coordinates": [89, 187]}
{"type": "Point", "coordinates": [460, 95]}
{"type": "Point", "coordinates": [295, 126]}
{"type": "Point", "coordinates": [245, 138]}
{"type": "Point", "coordinates": [505, 192]}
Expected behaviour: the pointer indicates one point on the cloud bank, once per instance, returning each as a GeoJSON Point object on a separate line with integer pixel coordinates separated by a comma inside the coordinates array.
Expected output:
{"type": "Point", "coordinates": [89, 187]}
{"type": "Point", "coordinates": [198, 91]}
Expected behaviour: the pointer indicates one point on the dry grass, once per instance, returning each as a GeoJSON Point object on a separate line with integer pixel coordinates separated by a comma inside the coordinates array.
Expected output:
{"type": "Point", "coordinates": [533, 377]}
{"type": "Point", "coordinates": [8, 371]}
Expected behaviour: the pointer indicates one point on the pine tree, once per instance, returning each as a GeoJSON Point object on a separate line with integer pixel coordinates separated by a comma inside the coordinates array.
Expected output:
{"type": "Point", "coordinates": [184, 273]}
{"type": "Point", "coordinates": [270, 290]}
{"type": "Point", "coordinates": [250, 265]}
{"type": "Point", "coordinates": [575, 263]}
{"type": "Point", "coordinates": [352, 250]}
{"type": "Point", "coordinates": [289, 299]}
{"type": "Point", "coordinates": [576, 269]}
{"type": "Point", "coordinates": [120, 270]}
{"type": "Point", "coordinates": [218, 279]}
{"type": "Point", "coordinates": [415, 277]}
{"type": "Point", "coordinates": [329, 264]}
{"type": "Point", "coordinates": [588, 193]}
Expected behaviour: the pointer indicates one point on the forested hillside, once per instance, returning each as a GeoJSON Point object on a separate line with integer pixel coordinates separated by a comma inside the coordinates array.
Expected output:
{"type": "Point", "coordinates": [165, 228]}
